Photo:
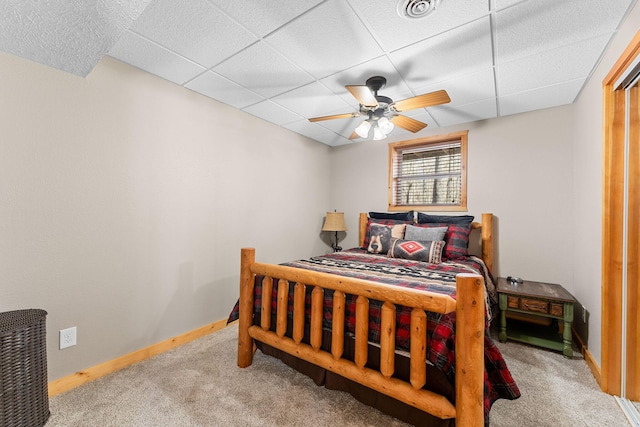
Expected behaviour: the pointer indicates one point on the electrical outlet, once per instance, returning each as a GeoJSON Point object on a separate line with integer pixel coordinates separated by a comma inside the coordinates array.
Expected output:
{"type": "Point", "coordinates": [67, 337]}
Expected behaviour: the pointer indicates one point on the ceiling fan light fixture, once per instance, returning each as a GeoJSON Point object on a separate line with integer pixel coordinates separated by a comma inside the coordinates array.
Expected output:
{"type": "Point", "coordinates": [363, 129]}
{"type": "Point", "coordinates": [385, 125]}
{"type": "Point", "coordinates": [416, 9]}
{"type": "Point", "coordinates": [378, 134]}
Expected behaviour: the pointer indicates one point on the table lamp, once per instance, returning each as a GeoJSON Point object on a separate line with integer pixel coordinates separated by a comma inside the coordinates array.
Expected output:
{"type": "Point", "coordinates": [335, 222]}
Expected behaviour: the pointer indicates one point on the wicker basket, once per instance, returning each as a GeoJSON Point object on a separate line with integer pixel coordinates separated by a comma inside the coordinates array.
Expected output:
{"type": "Point", "coordinates": [24, 398]}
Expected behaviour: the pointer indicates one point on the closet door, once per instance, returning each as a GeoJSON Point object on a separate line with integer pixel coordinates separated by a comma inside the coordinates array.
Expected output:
{"type": "Point", "coordinates": [631, 346]}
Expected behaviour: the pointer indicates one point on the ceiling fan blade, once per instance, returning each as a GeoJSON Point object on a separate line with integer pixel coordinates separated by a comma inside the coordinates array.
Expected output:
{"type": "Point", "coordinates": [335, 116]}
{"type": "Point", "coordinates": [428, 99]}
{"type": "Point", "coordinates": [412, 125]}
{"type": "Point", "coordinates": [354, 135]}
{"type": "Point", "coordinates": [363, 94]}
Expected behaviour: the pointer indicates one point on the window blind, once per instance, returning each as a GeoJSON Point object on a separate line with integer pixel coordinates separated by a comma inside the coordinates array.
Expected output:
{"type": "Point", "coordinates": [428, 175]}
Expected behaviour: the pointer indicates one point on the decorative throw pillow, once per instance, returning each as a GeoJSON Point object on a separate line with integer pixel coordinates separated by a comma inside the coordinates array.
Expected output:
{"type": "Point", "coordinates": [424, 234]}
{"type": "Point", "coordinates": [380, 237]}
{"type": "Point", "coordinates": [417, 251]}
{"type": "Point", "coordinates": [456, 238]}
{"type": "Point", "coordinates": [444, 219]}
{"type": "Point", "coordinates": [396, 225]}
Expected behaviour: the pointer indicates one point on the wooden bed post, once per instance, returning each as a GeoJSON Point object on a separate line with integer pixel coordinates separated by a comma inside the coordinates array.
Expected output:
{"type": "Point", "coordinates": [245, 320]}
{"type": "Point", "coordinates": [469, 350]}
{"type": "Point", "coordinates": [487, 240]}
{"type": "Point", "coordinates": [362, 227]}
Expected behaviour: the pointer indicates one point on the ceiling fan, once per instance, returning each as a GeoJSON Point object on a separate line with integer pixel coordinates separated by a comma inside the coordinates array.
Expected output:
{"type": "Point", "coordinates": [382, 112]}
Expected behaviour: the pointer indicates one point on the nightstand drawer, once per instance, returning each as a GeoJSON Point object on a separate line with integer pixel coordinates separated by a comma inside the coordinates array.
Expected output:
{"type": "Point", "coordinates": [557, 309]}
{"type": "Point", "coordinates": [534, 305]}
{"type": "Point", "coordinates": [539, 306]}
{"type": "Point", "coordinates": [513, 302]}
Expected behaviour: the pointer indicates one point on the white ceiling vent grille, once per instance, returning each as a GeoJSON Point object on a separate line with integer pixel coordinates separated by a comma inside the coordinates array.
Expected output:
{"type": "Point", "coordinates": [416, 9]}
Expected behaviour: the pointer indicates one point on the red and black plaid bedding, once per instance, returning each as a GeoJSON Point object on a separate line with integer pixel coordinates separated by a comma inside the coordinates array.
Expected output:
{"type": "Point", "coordinates": [438, 278]}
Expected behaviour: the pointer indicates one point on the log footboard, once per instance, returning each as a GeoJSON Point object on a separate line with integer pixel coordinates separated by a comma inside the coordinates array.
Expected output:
{"type": "Point", "coordinates": [470, 322]}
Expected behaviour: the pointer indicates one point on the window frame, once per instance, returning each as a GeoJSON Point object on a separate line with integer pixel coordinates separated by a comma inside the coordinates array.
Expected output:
{"type": "Point", "coordinates": [395, 147]}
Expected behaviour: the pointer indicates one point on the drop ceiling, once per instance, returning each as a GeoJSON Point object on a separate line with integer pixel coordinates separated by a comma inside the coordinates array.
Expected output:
{"type": "Point", "coordinates": [286, 61]}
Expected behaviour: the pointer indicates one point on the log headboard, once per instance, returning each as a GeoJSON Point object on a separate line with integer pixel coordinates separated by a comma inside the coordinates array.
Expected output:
{"type": "Point", "coordinates": [486, 230]}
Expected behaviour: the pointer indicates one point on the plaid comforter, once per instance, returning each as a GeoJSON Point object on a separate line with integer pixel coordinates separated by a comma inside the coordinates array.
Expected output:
{"type": "Point", "coordinates": [438, 278]}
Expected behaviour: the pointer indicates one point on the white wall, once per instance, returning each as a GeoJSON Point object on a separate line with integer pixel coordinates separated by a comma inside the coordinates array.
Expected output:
{"type": "Point", "coordinates": [519, 168]}
{"type": "Point", "coordinates": [588, 160]}
{"type": "Point", "coordinates": [125, 200]}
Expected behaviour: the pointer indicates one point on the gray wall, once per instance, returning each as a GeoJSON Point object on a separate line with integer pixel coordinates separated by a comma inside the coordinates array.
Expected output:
{"type": "Point", "coordinates": [125, 200]}
{"type": "Point", "coordinates": [519, 168]}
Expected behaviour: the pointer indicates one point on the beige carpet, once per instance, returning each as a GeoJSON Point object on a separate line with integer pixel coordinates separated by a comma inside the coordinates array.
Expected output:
{"type": "Point", "coordinates": [199, 384]}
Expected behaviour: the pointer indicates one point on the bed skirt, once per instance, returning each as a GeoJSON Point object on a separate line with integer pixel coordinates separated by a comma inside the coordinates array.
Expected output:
{"type": "Point", "coordinates": [436, 381]}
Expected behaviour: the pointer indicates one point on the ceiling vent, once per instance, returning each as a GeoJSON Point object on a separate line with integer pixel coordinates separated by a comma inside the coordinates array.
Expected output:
{"type": "Point", "coordinates": [416, 9]}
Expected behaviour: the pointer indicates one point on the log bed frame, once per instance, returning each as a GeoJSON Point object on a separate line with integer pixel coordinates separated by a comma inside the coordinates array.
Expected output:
{"type": "Point", "coordinates": [470, 322]}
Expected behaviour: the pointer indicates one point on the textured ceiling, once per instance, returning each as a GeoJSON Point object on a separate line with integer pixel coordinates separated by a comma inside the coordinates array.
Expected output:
{"type": "Point", "coordinates": [286, 61]}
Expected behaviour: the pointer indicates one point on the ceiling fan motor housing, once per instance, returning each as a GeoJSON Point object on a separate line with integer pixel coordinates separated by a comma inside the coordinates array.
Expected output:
{"type": "Point", "coordinates": [376, 83]}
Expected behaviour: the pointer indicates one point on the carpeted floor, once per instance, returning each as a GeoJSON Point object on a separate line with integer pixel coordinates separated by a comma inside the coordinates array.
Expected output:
{"type": "Point", "coordinates": [199, 384]}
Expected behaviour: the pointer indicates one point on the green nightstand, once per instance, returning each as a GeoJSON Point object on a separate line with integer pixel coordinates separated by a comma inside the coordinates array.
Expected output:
{"type": "Point", "coordinates": [538, 304]}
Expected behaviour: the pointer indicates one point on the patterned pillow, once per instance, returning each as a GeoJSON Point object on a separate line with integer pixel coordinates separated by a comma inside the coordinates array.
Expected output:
{"type": "Point", "coordinates": [424, 234]}
{"type": "Point", "coordinates": [417, 251]}
{"type": "Point", "coordinates": [396, 225]}
{"type": "Point", "coordinates": [381, 236]}
{"type": "Point", "coordinates": [456, 238]}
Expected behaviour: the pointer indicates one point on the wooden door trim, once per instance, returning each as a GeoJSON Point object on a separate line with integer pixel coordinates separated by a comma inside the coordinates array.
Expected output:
{"type": "Point", "coordinates": [612, 219]}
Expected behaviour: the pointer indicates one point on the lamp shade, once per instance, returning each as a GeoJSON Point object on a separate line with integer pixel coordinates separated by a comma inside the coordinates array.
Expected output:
{"type": "Point", "coordinates": [385, 125]}
{"type": "Point", "coordinates": [363, 129]}
{"type": "Point", "coordinates": [334, 222]}
{"type": "Point", "coordinates": [378, 134]}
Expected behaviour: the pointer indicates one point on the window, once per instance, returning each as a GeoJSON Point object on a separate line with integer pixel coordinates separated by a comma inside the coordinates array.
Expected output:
{"type": "Point", "coordinates": [429, 173]}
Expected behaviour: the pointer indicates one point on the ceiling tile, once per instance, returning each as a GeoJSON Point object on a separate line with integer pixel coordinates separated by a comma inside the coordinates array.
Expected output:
{"type": "Point", "coordinates": [262, 17]}
{"type": "Point", "coordinates": [447, 116]}
{"type": "Point", "coordinates": [217, 87]}
{"type": "Point", "coordinates": [333, 140]}
{"type": "Point", "coordinates": [263, 70]}
{"type": "Point", "coordinates": [272, 112]}
{"type": "Point", "coordinates": [550, 67]}
{"type": "Point", "coordinates": [313, 100]}
{"type": "Point", "coordinates": [330, 37]}
{"type": "Point", "coordinates": [394, 31]}
{"type": "Point", "coordinates": [466, 89]}
{"type": "Point", "coordinates": [501, 4]}
{"type": "Point", "coordinates": [306, 128]}
{"type": "Point", "coordinates": [71, 35]}
{"type": "Point", "coordinates": [548, 96]}
{"type": "Point", "coordinates": [554, 24]}
{"type": "Point", "coordinates": [463, 50]}
{"type": "Point", "coordinates": [164, 23]}
{"type": "Point", "coordinates": [141, 53]}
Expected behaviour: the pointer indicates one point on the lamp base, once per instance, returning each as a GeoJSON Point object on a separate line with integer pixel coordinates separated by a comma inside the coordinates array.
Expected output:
{"type": "Point", "coordinates": [335, 246]}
